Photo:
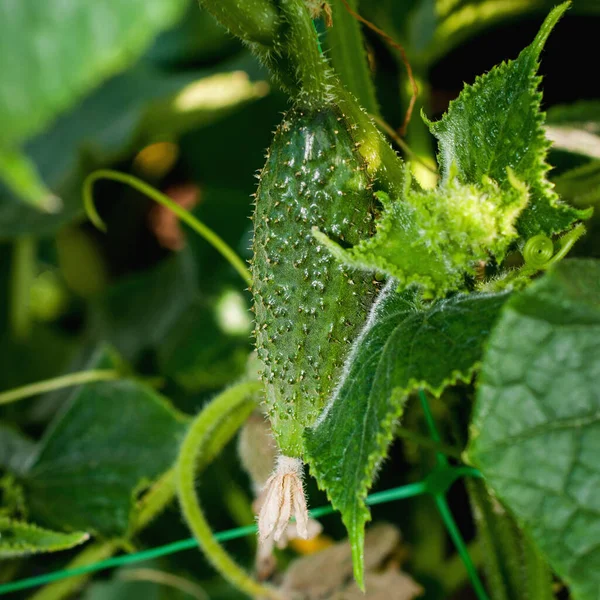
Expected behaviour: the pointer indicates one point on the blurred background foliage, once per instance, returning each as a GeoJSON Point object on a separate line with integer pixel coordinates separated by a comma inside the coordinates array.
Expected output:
{"type": "Point", "coordinates": [157, 89]}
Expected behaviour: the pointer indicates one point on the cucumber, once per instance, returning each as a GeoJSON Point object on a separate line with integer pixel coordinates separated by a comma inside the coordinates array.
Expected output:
{"type": "Point", "coordinates": [308, 308]}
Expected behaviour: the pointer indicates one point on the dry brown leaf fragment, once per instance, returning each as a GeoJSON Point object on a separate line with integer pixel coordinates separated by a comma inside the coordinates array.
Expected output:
{"type": "Point", "coordinates": [389, 585]}
{"type": "Point", "coordinates": [257, 450]}
{"type": "Point", "coordinates": [327, 575]}
{"type": "Point", "coordinates": [165, 224]}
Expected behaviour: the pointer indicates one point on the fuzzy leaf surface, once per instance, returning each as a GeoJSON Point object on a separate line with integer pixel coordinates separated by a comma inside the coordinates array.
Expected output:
{"type": "Point", "coordinates": [497, 123]}
{"type": "Point", "coordinates": [112, 438]}
{"type": "Point", "coordinates": [404, 346]}
{"type": "Point", "coordinates": [434, 237]}
{"type": "Point", "coordinates": [70, 47]}
{"type": "Point", "coordinates": [20, 539]}
{"type": "Point", "coordinates": [536, 428]}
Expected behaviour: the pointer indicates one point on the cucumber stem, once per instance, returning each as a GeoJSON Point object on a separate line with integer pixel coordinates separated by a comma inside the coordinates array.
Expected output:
{"type": "Point", "coordinates": [349, 57]}
{"type": "Point", "coordinates": [302, 47]}
{"type": "Point", "coordinates": [254, 21]}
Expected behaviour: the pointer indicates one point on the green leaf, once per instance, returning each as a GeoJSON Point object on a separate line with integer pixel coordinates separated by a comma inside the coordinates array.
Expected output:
{"type": "Point", "coordinates": [137, 312]}
{"type": "Point", "coordinates": [198, 355]}
{"type": "Point", "coordinates": [496, 124]}
{"type": "Point", "coordinates": [129, 583]}
{"type": "Point", "coordinates": [19, 173]}
{"type": "Point", "coordinates": [585, 113]}
{"type": "Point", "coordinates": [404, 346]}
{"type": "Point", "coordinates": [197, 37]}
{"type": "Point", "coordinates": [20, 539]}
{"type": "Point", "coordinates": [52, 53]}
{"type": "Point", "coordinates": [535, 433]}
{"type": "Point", "coordinates": [117, 119]}
{"type": "Point", "coordinates": [434, 237]}
{"type": "Point", "coordinates": [110, 440]}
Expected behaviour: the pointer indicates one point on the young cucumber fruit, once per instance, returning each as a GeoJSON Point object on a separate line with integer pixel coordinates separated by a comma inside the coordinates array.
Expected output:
{"type": "Point", "coordinates": [308, 308]}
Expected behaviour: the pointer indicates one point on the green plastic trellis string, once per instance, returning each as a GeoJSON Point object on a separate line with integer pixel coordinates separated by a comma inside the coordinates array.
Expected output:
{"type": "Point", "coordinates": [440, 476]}
{"type": "Point", "coordinates": [436, 484]}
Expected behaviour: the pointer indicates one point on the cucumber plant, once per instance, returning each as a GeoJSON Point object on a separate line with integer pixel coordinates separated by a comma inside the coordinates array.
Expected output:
{"type": "Point", "coordinates": [374, 279]}
{"type": "Point", "coordinates": [335, 210]}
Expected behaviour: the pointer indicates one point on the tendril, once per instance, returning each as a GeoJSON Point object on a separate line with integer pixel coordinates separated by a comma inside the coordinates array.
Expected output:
{"type": "Point", "coordinates": [187, 217]}
{"type": "Point", "coordinates": [539, 254]}
{"type": "Point", "coordinates": [538, 251]}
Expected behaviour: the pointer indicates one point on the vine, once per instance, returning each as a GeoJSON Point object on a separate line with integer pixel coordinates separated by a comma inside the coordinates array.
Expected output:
{"type": "Point", "coordinates": [237, 400]}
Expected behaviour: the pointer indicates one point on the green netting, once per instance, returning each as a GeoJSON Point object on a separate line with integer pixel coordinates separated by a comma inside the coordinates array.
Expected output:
{"type": "Point", "coordinates": [436, 484]}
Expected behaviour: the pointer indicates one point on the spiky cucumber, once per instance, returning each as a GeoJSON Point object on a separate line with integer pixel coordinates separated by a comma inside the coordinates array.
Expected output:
{"type": "Point", "coordinates": [308, 308]}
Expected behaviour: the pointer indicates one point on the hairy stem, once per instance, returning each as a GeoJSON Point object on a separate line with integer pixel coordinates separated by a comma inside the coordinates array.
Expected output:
{"type": "Point", "coordinates": [162, 492]}
{"type": "Point", "coordinates": [233, 401]}
{"type": "Point", "coordinates": [301, 45]}
{"type": "Point", "coordinates": [380, 158]}
{"type": "Point", "coordinates": [538, 573]}
{"type": "Point", "coordinates": [254, 21]}
{"type": "Point", "coordinates": [501, 548]}
{"type": "Point", "coordinates": [348, 55]}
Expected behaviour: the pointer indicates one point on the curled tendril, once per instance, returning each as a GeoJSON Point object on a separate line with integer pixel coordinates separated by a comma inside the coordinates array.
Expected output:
{"type": "Point", "coordinates": [187, 217]}
{"type": "Point", "coordinates": [539, 254]}
{"type": "Point", "coordinates": [538, 251]}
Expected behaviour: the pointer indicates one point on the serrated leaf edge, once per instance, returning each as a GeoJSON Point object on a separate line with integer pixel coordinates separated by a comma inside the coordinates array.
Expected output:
{"type": "Point", "coordinates": [27, 550]}
{"type": "Point", "coordinates": [360, 514]}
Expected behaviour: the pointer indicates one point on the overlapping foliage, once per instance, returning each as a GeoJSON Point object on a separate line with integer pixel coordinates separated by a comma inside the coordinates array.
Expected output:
{"type": "Point", "coordinates": [460, 316]}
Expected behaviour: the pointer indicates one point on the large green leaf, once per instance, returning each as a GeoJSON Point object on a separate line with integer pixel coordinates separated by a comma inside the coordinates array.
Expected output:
{"type": "Point", "coordinates": [496, 124]}
{"type": "Point", "coordinates": [19, 539]}
{"type": "Point", "coordinates": [53, 52]}
{"type": "Point", "coordinates": [536, 426]}
{"type": "Point", "coordinates": [404, 346]}
{"type": "Point", "coordinates": [198, 37]}
{"type": "Point", "coordinates": [144, 583]}
{"type": "Point", "coordinates": [137, 312]}
{"type": "Point", "coordinates": [117, 119]}
{"type": "Point", "coordinates": [198, 354]}
{"type": "Point", "coordinates": [111, 439]}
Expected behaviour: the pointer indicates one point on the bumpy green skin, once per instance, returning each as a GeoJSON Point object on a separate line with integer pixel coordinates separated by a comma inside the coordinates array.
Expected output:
{"type": "Point", "coordinates": [308, 308]}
